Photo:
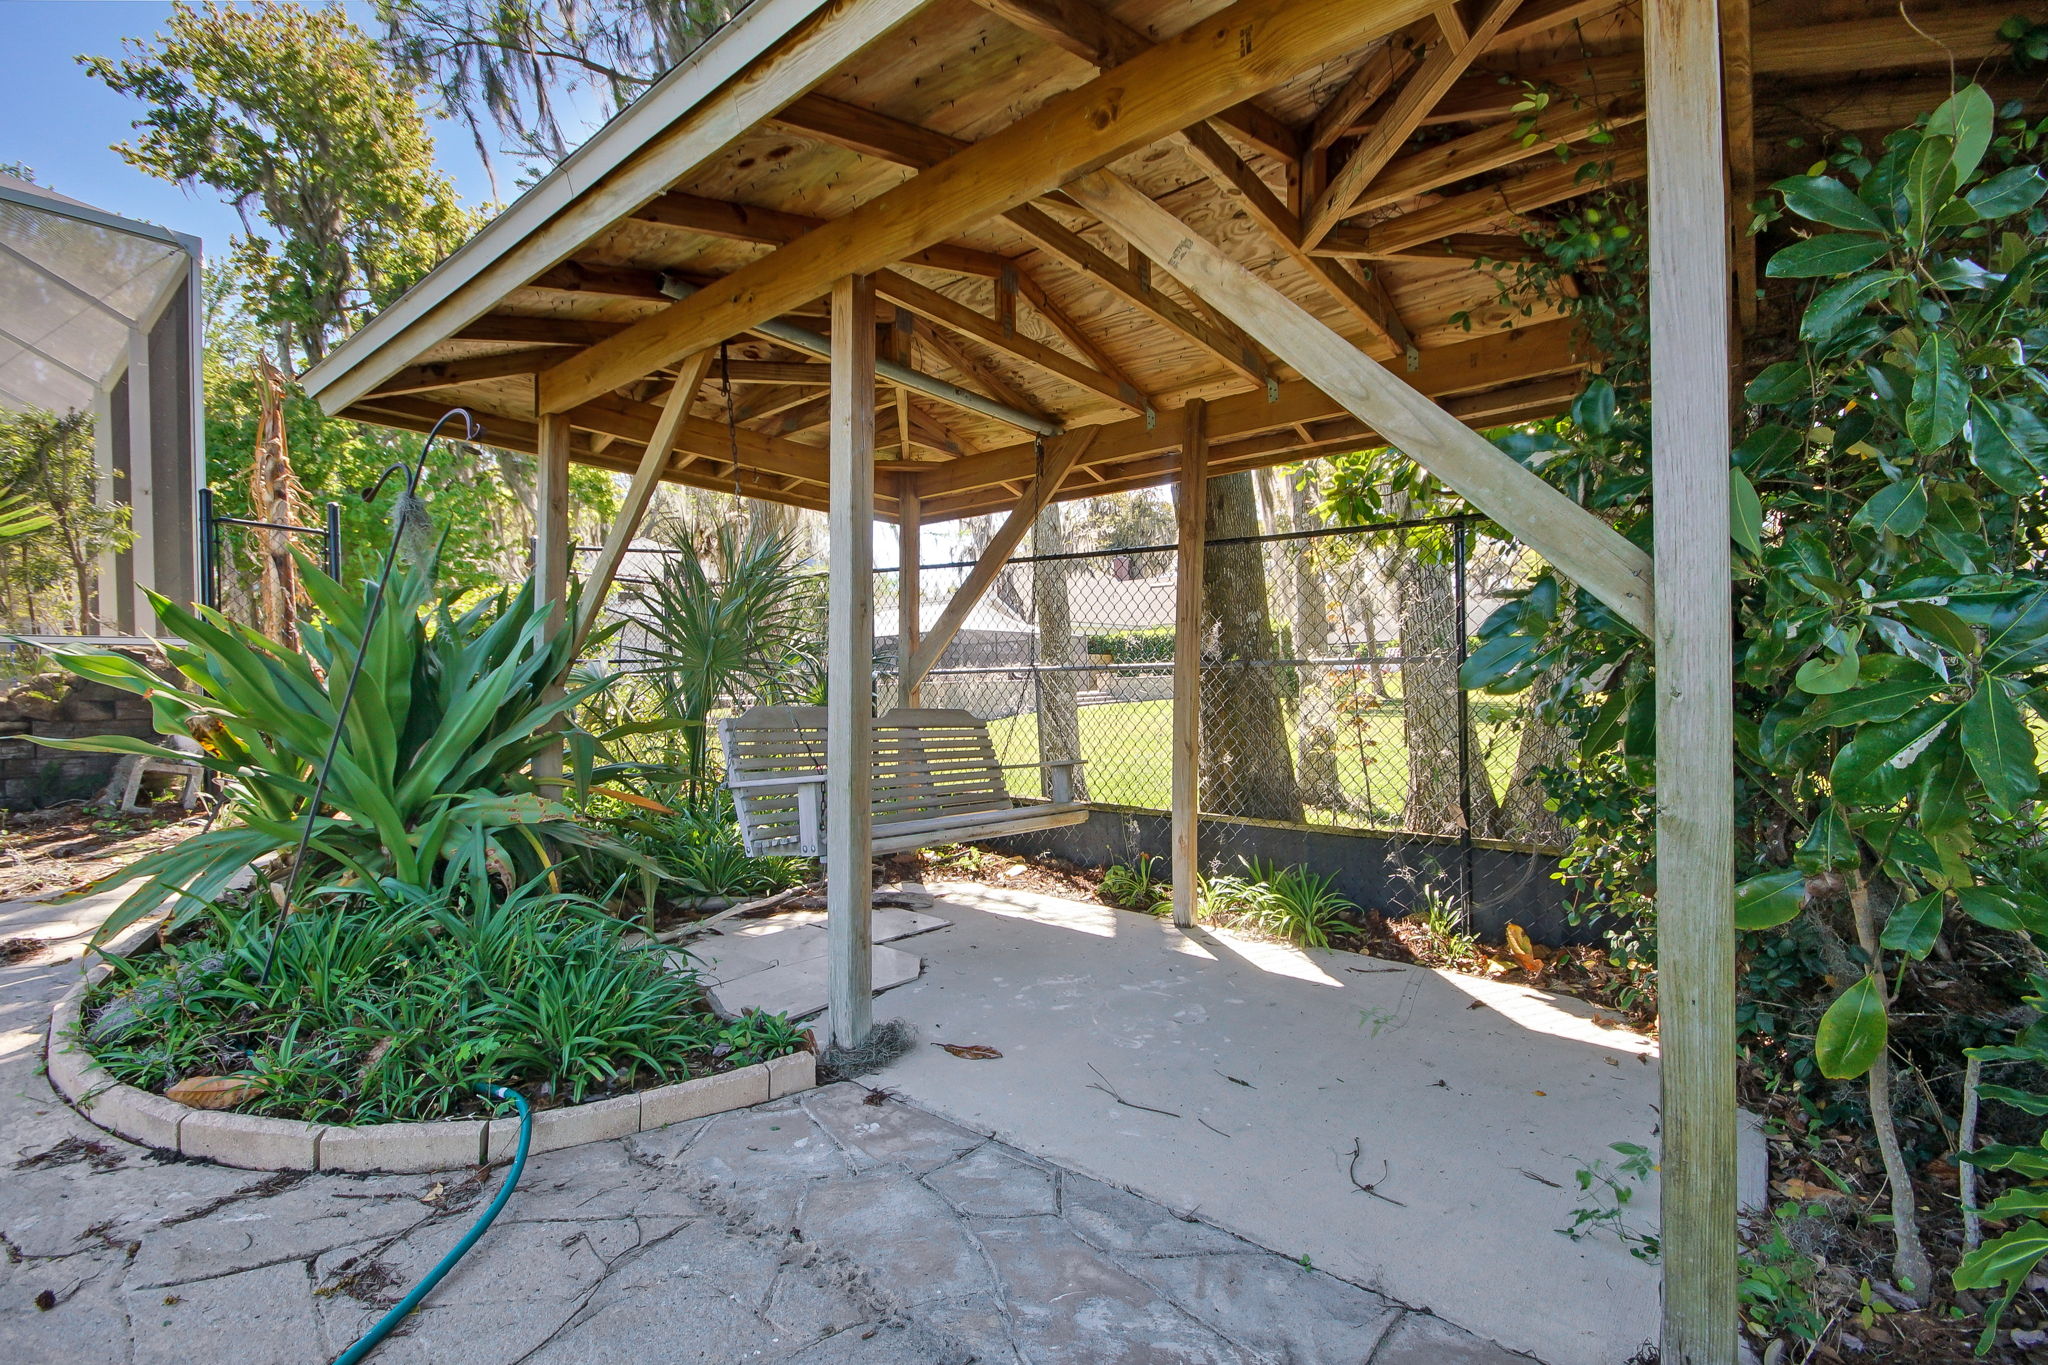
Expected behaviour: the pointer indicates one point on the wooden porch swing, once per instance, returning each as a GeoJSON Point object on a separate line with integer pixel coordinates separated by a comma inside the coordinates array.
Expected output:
{"type": "Point", "coordinates": [934, 779]}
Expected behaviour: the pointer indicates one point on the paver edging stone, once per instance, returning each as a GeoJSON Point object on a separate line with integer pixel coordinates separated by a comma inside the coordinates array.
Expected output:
{"type": "Point", "coordinates": [255, 1142]}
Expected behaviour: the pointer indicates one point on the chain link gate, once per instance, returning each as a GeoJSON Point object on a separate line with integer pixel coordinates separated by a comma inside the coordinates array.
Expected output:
{"type": "Point", "coordinates": [233, 551]}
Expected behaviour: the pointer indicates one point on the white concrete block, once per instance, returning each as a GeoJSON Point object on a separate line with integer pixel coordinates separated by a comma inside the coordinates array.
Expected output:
{"type": "Point", "coordinates": [250, 1141]}
{"type": "Point", "coordinates": [436, 1146]}
{"type": "Point", "coordinates": [554, 1129]}
{"type": "Point", "coordinates": [138, 1116]}
{"type": "Point", "coordinates": [789, 1075]}
{"type": "Point", "coordinates": [693, 1099]}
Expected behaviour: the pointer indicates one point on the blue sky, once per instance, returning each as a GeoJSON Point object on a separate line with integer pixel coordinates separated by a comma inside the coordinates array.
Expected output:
{"type": "Point", "coordinates": [61, 123]}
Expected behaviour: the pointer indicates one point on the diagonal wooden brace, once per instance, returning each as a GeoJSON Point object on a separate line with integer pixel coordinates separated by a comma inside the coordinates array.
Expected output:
{"type": "Point", "coordinates": [1583, 547]}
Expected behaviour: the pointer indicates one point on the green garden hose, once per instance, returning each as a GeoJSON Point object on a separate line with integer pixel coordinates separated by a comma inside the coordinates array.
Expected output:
{"type": "Point", "coordinates": [376, 1334]}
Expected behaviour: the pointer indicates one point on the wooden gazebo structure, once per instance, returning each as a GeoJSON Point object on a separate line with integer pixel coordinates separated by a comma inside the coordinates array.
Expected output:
{"type": "Point", "coordinates": [920, 259]}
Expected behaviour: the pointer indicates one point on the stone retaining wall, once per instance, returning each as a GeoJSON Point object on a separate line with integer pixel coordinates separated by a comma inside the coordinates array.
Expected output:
{"type": "Point", "coordinates": [60, 706]}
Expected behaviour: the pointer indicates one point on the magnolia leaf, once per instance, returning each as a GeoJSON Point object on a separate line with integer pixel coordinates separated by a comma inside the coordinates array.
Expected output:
{"type": "Point", "coordinates": [1829, 843]}
{"type": "Point", "coordinates": [1831, 253]}
{"type": "Point", "coordinates": [214, 1092]}
{"type": "Point", "coordinates": [1995, 909]}
{"type": "Point", "coordinates": [1823, 199]}
{"type": "Point", "coordinates": [1966, 119]}
{"type": "Point", "coordinates": [1872, 767]}
{"type": "Point", "coordinates": [1941, 393]}
{"type": "Point", "coordinates": [1897, 509]}
{"type": "Point", "coordinates": [1522, 951]}
{"type": "Point", "coordinates": [2005, 440]}
{"type": "Point", "coordinates": [973, 1052]}
{"type": "Point", "coordinates": [1838, 303]}
{"type": "Point", "coordinates": [1930, 181]}
{"type": "Point", "coordinates": [1745, 512]}
{"type": "Point", "coordinates": [2000, 747]}
{"type": "Point", "coordinates": [1828, 673]}
{"type": "Point", "coordinates": [1893, 686]}
{"type": "Point", "coordinates": [1852, 1032]}
{"type": "Point", "coordinates": [1769, 899]}
{"type": "Point", "coordinates": [1779, 383]}
{"type": "Point", "coordinates": [2007, 193]}
{"type": "Point", "coordinates": [1913, 927]}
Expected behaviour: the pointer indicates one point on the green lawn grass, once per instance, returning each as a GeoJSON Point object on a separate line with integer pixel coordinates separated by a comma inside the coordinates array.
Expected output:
{"type": "Point", "coordinates": [1129, 750]}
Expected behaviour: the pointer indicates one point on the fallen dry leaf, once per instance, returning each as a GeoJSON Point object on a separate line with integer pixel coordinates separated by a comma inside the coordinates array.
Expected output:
{"type": "Point", "coordinates": [1522, 951]}
{"type": "Point", "coordinates": [214, 1092]}
{"type": "Point", "coordinates": [973, 1052]}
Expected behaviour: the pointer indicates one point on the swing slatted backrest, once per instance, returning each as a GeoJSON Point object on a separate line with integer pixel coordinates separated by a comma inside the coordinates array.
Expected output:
{"type": "Point", "coordinates": [935, 779]}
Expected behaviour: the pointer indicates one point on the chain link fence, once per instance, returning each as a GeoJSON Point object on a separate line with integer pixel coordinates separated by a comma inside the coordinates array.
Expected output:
{"type": "Point", "coordinates": [1329, 680]}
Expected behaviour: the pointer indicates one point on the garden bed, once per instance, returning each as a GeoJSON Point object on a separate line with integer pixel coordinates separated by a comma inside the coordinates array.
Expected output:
{"type": "Point", "coordinates": [358, 1050]}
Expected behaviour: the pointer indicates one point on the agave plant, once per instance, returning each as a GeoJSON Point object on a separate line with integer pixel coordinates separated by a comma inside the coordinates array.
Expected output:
{"type": "Point", "coordinates": [430, 776]}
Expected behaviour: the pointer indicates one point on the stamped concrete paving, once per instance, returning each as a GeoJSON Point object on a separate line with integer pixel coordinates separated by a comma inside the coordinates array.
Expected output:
{"type": "Point", "coordinates": [830, 1228]}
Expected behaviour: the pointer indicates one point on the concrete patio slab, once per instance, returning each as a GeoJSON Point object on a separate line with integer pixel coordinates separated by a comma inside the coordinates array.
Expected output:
{"type": "Point", "coordinates": [1472, 1103]}
{"type": "Point", "coordinates": [838, 1225]}
{"type": "Point", "coordinates": [798, 988]}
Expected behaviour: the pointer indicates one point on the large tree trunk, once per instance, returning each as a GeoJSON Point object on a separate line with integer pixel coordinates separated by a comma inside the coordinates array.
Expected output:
{"type": "Point", "coordinates": [1315, 712]}
{"type": "Point", "coordinates": [1059, 715]}
{"type": "Point", "coordinates": [1247, 769]}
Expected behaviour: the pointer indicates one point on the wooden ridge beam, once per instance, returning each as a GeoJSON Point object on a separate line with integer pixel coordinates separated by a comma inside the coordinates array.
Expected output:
{"type": "Point", "coordinates": [943, 311]}
{"type": "Point", "coordinates": [1579, 544]}
{"type": "Point", "coordinates": [590, 277]}
{"type": "Point", "coordinates": [1540, 16]}
{"type": "Point", "coordinates": [772, 227]}
{"type": "Point", "coordinates": [1366, 299]}
{"type": "Point", "coordinates": [537, 331]}
{"type": "Point", "coordinates": [1225, 58]}
{"type": "Point", "coordinates": [1539, 351]}
{"type": "Point", "coordinates": [1085, 29]}
{"type": "Point", "coordinates": [1440, 69]}
{"type": "Point", "coordinates": [1496, 205]}
{"type": "Point", "coordinates": [441, 374]}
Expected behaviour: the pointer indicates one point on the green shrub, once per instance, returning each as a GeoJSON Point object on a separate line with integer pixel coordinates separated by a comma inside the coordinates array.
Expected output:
{"type": "Point", "coordinates": [698, 848]}
{"type": "Point", "coordinates": [1136, 885]}
{"type": "Point", "coordinates": [1144, 645]}
{"type": "Point", "coordinates": [387, 1005]}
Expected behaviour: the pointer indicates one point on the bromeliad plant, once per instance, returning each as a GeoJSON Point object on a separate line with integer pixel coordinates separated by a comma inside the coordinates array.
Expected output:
{"type": "Point", "coordinates": [430, 778]}
{"type": "Point", "coordinates": [1892, 598]}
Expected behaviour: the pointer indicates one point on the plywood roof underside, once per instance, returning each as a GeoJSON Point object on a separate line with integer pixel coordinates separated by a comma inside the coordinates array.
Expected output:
{"type": "Point", "coordinates": [1043, 311]}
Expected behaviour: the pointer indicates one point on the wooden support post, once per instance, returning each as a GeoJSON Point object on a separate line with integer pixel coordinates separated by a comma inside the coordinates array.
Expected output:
{"type": "Point", "coordinates": [1191, 530]}
{"type": "Point", "coordinates": [909, 586]}
{"type": "Point", "coordinates": [849, 646]}
{"type": "Point", "coordinates": [654, 461]}
{"type": "Point", "coordinates": [1689, 309]}
{"type": "Point", "coordinates": [1062, 452]}
{"type": "Point", "coordinates": [551, 546]}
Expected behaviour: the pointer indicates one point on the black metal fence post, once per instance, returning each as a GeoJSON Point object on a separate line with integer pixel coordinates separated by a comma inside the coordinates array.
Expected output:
{"type": "Point", "coordinates": [1458, 550]}
{"type": "Point", "coordinates": [209, 594]}
{"type": "Point", "coordinates": [334, 541]}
